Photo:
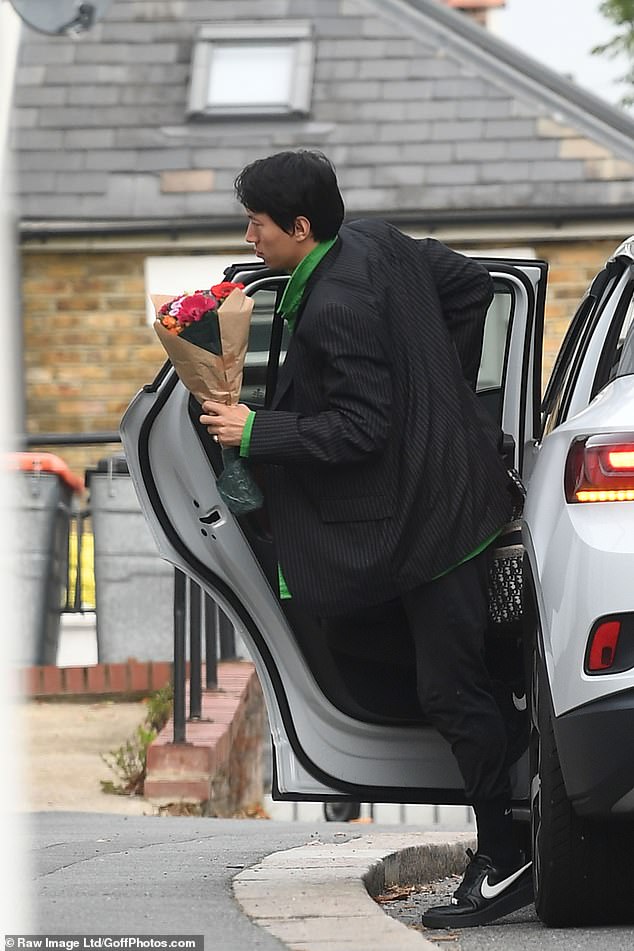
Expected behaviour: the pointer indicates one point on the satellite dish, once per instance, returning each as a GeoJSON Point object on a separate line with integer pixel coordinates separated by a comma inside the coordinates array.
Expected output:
{"type": "Point", "coordinates": [58, 17]}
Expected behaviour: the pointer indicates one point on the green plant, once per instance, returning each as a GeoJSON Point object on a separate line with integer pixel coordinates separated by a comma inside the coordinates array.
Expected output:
{"type": "Point", "coordinates": [621, 14]}
{"type": "Point", "coordinates": [129, 761]}
{"type": "Point", "coordinates": [159, 707]}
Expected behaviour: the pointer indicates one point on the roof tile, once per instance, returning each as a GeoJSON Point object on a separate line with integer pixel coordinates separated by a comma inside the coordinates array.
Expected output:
{"type": "Point", "coordinates": [420, 109]}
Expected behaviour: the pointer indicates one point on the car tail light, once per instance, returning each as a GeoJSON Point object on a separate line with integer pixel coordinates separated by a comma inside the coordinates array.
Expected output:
{"type": "Point", "coordinates": [602, 646]}
{"type": "Point", "coordinates": [600, 469]}
{"type": "Point", "coordinates": [610, 647]}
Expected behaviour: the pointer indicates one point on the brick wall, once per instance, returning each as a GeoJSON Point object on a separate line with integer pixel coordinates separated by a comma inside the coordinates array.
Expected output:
{"type": "Point", "coordinates": [571, 269]}
{"type": "Point", "coordinates": [89, 348]}
{"type": "Point", "coordinates": [129, 679]}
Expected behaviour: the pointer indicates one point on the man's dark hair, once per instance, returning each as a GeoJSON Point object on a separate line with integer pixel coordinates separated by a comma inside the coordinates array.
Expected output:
{"type": "Point", "coordinates": [289, 184]}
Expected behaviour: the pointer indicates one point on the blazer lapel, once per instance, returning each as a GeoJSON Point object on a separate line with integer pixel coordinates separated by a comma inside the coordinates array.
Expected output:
{"type": "Point", "coordinates": [285, 374]}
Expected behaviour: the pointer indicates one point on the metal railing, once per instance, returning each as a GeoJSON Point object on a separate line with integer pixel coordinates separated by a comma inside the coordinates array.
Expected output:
{"type": "Point", "coordinates": [195, 613]}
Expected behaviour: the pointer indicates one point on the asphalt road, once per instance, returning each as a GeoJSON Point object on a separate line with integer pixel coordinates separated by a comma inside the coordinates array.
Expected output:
{"type": "Point", "coordinates": [521, 931]}
{"type": "Point", "coordinates": [112, 874]}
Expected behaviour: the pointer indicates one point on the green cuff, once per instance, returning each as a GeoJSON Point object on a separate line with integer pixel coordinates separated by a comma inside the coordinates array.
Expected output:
{"type": "Point", "coordinates": [246, 434]}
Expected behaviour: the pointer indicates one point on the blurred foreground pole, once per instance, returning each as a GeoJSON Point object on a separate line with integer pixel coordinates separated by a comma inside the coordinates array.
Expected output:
{"type": "Point", "coordinates": [16, 891]}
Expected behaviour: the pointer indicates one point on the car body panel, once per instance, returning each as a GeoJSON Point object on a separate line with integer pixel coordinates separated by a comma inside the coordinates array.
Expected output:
{"type": "Point", "coordinates": [596, 760]}
{"type": "Point", "coordinates": [581, 555]}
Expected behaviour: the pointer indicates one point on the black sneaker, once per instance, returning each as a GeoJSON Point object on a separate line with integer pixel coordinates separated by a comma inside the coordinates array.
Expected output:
{"type": "Point", "coordinates": [486, 892]}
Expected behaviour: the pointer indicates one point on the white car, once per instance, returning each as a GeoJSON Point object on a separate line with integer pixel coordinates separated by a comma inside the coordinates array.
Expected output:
{"type": "Point", "coordinates": [579, 566]}
{"type": "Point", "coordinates": [347, 727]}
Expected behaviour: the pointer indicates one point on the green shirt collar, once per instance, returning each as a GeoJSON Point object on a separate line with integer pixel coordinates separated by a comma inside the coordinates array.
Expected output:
{"type": "Point", "coordinates": [292, 297]}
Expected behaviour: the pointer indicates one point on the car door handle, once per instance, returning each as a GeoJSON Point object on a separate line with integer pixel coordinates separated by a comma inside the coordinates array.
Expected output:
{"type": "Point", "coordinates": [211, 518]}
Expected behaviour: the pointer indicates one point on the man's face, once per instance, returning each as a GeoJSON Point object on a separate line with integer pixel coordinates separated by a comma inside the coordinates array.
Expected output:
{"type": "Point", "coordinates": [277, 248]}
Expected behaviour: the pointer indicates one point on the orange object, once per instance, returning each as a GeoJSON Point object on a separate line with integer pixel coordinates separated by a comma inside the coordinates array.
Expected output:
{"type": "Point", "coordinates": [605, 495]}
{"type": "Point", "coordinates": [477, 4]}
{"type": "Point", "coordinates": [45, 462]}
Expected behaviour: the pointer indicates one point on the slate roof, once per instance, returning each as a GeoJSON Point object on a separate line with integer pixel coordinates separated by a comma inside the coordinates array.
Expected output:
{"type": "Point", "coordinates": [423, 112]}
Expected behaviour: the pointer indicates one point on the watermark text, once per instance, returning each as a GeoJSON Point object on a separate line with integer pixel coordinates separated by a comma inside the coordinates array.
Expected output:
{"type": "Point", "coordinates": [103, 942]}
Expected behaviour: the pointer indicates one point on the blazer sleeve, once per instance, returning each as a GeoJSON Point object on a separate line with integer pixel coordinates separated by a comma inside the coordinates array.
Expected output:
{"type": "Point", "coordinates": [348, 379]}
{"type": "Point", "coordinates": [465, 290]}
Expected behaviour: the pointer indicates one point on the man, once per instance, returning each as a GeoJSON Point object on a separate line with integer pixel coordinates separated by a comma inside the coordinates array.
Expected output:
{"type": "Point", "coordinates": [383, 478]}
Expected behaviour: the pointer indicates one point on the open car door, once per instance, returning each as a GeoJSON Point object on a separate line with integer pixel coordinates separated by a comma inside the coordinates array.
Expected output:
{"type": "Point", "coordinates": [342, 725]}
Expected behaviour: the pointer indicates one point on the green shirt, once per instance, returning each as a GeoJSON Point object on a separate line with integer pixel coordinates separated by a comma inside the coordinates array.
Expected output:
{"type": "Point", "coordinates": [289, 305]}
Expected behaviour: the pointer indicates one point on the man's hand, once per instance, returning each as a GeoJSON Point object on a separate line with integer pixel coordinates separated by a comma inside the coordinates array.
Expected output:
{"type": "Point", "coordinates": [224, 423]}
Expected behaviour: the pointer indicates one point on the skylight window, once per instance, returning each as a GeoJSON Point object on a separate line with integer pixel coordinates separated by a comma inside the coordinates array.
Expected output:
{"type": "Point", "coordinates": [266, 69]}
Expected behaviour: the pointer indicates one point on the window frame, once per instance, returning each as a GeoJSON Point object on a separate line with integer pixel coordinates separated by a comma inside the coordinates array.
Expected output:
{"type": "Point", "coordinates": [297, 34]}
{"type": "Point", "coordinates": [607, 368]}
{"type": "Point", "coordinates": [561, 386]}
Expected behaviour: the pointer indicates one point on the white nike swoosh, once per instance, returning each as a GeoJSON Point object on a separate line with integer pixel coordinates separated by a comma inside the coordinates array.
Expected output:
{"type": "Point", "coordinates": [492, 891]}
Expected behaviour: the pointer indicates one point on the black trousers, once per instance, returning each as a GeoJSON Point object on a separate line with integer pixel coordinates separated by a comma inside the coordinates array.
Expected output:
{"type": "Point", "coordinates": [436, 632]}
{"type": "Point", "coordinates": [447, 619]}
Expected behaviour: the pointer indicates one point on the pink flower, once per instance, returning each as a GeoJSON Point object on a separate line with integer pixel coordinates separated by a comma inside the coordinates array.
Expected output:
{"type": "Point", "coordinates": [193, 307]}
{"type": "Point", "coordinates": [189, 308]}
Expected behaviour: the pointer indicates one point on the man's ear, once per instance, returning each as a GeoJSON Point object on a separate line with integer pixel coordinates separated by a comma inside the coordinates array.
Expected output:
{"type": "Point", "coordinates": [302, 228]}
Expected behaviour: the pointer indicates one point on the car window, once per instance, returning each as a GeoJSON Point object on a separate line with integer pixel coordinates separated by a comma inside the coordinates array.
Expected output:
{"type": "Point", "coordinates": [626, 361]}
{"type": "Point", "coordinates": [566, 360]}
{"type": "Point", "coordinates": [493, 362]}
{"type": "Point", "coordinates": [617, 358]}
{"type": "Point", "coordinates": [570, 357]}
{"type": "Point", "coordinates": [495, 345]}
{"type": "Point", "coordinates": [262, 342]}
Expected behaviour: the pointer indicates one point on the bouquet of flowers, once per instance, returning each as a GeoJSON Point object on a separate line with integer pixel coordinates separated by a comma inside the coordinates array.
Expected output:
{"type": "Point", "coordinates": [205, 335]}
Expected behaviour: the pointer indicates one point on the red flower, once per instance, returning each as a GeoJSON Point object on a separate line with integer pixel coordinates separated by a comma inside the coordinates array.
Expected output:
{"type": "Point", "coordinates": [223, 289]}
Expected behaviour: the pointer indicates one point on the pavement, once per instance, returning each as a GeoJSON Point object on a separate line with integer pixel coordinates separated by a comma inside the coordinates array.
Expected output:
{"type": "Point", "coordinates": [242, 884]}
{"type": "Point", "coordinates": [103, 864]}
{"type": "Point", "coordinates": [64, 748]}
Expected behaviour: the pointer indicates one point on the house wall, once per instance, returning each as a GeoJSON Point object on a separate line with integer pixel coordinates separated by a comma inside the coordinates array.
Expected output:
{"type": "Point", "coordinates": [89, 348]}
{"type": "Point", "coordinates": [572, 266]}
{"type": "Point", "coordinates": [87, 345]}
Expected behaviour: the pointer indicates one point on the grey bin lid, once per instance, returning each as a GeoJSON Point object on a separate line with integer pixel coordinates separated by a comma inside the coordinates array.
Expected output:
{"type": "Point", "coordinates": [112, 465]}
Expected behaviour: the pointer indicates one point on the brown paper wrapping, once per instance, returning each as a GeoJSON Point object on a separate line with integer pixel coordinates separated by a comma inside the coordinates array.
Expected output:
{"type": "Point", "coordinates": [210, 376]}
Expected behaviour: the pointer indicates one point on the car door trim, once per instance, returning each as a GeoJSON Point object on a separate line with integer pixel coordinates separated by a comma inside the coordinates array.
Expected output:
{"type": "Point", "coordinates": [532, 340]}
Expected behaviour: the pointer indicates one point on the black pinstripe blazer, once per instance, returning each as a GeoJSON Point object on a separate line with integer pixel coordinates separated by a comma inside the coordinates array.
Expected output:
{"type": "Point", "coordinates": [380, 472]}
